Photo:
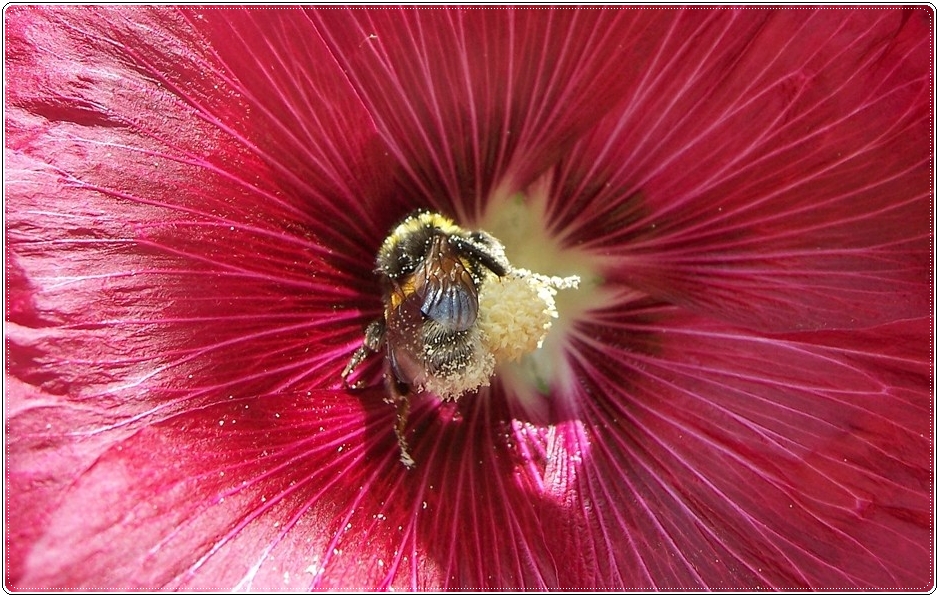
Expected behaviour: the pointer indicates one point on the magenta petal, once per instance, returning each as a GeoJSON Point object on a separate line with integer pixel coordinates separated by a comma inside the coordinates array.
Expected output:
{"type": "Point", "coordinates": [294, 491]}
{"type": "Point", "coordinates": [774, 170]}
{"type": "Point", "coordinates": [193, 201]}
{"type": "Point", "coordinates": [165, 253]}
{"type": "Point", "coordinates": [165, 507]}
{"type": "Point", "coordinates": [474, 98]}
{"type": "Point", "coordinates": [179, 100]}
{"type": "Point", "coordinates": [723, 459]}
{"type": "Point", "coordinates": [166, 246]}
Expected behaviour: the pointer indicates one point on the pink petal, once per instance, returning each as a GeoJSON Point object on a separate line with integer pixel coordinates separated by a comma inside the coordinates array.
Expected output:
{"type": "Point", "coordinates": [166, 250]}
{"type": "Point", "coordinates": [161, 237]}
{"type": "Point", "coordinates": [295, 491]}
{"type": "Point", "coordinates": [474, 98]}
{"type": "Point", "coordinates": [773, 169]}
{"type": "Point", "coordinates": [205, 118]}
{"type": "Point", "coordinates": [720, 458]}
{"type": "Point", "coordinates": [227, 495]}
{"type": "Point", "coordinates": [190, 235]}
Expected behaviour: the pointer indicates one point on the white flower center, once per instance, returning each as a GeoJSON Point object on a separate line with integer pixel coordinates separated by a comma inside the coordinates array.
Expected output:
{"type": "Point", "coordinates": [526, 317]}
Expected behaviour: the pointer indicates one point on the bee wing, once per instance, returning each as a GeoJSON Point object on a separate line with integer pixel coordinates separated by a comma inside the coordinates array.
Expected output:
{"type": "Point", "coordinates": [447, 288]}
{"type": "Point", "coordinates": [451, 303]}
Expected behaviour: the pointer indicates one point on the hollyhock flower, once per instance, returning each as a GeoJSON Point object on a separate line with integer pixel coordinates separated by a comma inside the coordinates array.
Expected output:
{"type": "Point", "coordinates": [736, 396]}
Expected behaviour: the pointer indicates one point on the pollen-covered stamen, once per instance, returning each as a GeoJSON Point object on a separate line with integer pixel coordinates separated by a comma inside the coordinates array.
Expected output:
{"type": "Point", "coordinates": [516, 311]}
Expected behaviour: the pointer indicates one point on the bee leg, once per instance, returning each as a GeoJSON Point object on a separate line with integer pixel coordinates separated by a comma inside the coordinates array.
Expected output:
{"type": "Point", "coordinates": [400, 395]}
{"type": "Point", "coordinates": [374, 336]}
{"type": "Point", "coordinates": [404, 405]}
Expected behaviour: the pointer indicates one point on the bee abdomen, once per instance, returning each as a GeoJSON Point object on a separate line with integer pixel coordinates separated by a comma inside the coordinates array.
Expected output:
{"type": "Point", "coordinates": [447, 351]}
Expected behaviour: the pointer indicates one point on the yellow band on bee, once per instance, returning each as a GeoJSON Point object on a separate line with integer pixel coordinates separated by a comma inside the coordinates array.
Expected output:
{"type": "Point", "coordinates": [415, 223]}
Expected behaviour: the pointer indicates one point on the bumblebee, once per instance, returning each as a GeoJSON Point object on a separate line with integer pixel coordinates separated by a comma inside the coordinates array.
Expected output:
{"type": "Point", "coordinates": [431, 271]}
